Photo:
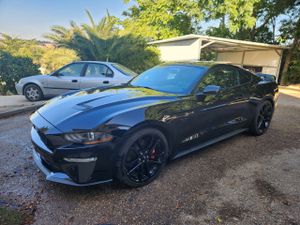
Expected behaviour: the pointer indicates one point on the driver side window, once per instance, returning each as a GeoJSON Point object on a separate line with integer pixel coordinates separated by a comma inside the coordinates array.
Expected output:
{"type": "Point", "coordinates": [223, 77]}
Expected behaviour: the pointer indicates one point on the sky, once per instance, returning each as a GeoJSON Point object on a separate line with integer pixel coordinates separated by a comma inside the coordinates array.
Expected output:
{"type": "Point", "coordinates": [33, 18]}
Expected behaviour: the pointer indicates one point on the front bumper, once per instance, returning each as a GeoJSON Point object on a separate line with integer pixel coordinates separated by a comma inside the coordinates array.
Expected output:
{"type": "Point", "coordinates": [19, 88]}
{"type": "Point", "coordinates": [59, 177]}
{"type": "Point", "coordinates": [51, 162]}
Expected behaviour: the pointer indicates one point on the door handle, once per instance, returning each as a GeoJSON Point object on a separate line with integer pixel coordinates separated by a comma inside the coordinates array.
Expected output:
{"type": "Point", "coordinates": [74, 81]}
{"type": "Point", "coordinates": [106, 82]}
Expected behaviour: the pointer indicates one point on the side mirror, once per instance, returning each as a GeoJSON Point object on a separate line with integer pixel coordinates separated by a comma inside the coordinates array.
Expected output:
{"type": "Point", "coordinates": [57, 74]}
{"type": "Point", "coordinates": [208, 90]}
{"type": "Point", "coordinates": [211, 89]}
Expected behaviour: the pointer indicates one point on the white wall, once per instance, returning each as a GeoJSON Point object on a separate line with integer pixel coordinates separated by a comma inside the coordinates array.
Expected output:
{"type": "Point", "coordinates": [268, 59]}
{"type": "Point", "coordinates": [186, 50]}
{"type": "Point", "coordinates": [232, 57]}
{"type": "Point", "coordinates": [189, 50]}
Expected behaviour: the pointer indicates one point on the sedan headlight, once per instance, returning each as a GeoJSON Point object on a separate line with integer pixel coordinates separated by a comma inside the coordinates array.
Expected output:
{"type": "Point", "coordinates": [88, 138]}
{"type": "Point", "coordinates": [21, 81]}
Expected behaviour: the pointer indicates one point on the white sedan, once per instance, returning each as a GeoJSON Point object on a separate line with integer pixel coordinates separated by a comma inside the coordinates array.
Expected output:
{"type": "Point", "coordinates": [74, 76]}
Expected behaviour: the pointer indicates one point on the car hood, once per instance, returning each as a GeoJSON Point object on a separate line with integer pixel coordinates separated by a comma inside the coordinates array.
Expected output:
{"type": "Point", "coordinates": [91, 108]}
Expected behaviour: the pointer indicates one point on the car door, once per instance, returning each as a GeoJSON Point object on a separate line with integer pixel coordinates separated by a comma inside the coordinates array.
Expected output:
{"type": "Point", "coordinates": [212, 115]}
{"type": "Point", "coordinates": [65, 79]}
{"type": "Point", "coordinates": [247, 92]}
{"type": "Point", "coordinates": [97, 75]}
{"type": "Point", "coordinates": [232, 100]}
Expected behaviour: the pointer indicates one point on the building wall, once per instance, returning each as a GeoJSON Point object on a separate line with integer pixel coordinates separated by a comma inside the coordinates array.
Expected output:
{"type": "Point", "coordinates": [269, 60]}
{"type": "Point", "coordinates": [186, 50]}
{"type": "Point", "coordinates": [189, 50]}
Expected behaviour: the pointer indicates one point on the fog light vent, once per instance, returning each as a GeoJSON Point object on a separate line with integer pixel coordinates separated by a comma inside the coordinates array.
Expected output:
{"type": "Point", "coordinates": [81, 160]}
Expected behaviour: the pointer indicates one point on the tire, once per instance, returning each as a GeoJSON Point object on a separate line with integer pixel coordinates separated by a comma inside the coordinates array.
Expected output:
{"type": "Point", "coordinates": [142, 157]}
{"type": "Point", "coordinates": [262, 119]}
{"type": "Point", "coordinates": [33, 92]}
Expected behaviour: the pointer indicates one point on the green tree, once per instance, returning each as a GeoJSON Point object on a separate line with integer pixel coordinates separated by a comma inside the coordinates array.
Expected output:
{"type": "Point", "coordinates": [12, 69]}
{"type": "Point", "coordinates": [161, 19]}
{"type": "Point", "coordinates": [100, 41]}
{"type": "Point", "coordinates": [290, 32]}
{"type": "Point", "coordinates": [267, 14]}
{"type": "Point", "coordinates": [54, 58]}
{"type": "Point", "coordinates": [21, 48]}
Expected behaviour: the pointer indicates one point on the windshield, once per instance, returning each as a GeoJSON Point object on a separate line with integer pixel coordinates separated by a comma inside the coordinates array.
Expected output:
{"type": "Point", "coordinates": [178, 79]}
{"type": "Point", "coordinates": [124, 70]}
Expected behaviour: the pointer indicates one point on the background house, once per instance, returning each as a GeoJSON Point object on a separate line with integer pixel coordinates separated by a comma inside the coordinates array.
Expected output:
{"type": "Point", "coordinates": [257, 57]}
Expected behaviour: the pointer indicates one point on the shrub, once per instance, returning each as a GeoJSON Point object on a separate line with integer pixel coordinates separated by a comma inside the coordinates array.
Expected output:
{"type": "Point", "coordinates": [12, 69]}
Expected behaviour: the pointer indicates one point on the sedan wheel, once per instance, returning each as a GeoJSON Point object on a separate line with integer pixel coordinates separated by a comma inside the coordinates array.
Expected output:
{"type": "Point", "coordinates": [33, 93]}
{"type": "Point", "coordinates": [142, 158]}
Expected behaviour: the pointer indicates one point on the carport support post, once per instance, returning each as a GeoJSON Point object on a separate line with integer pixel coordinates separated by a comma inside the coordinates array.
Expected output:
{"type": "Point", "coordinates": [199, 48]}
{"type": "Point", "coordinates": [243, 58]}
{"type": "Point", "coordinates": [203, 46]}
{"type": "Point", "coordinates": [279, 63]}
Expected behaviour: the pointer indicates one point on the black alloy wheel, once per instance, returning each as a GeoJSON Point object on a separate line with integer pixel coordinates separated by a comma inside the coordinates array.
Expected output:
{"type": "Point", "coordinates": [263, 118]}
{"type": "Point", "coordinates": [143, 156]}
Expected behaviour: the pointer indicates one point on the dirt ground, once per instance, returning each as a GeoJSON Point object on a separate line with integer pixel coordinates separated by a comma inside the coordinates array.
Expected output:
{"type": "Point", "coordinates": [243, 180]}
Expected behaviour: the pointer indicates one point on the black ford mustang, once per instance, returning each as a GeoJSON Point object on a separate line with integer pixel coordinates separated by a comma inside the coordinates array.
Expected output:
{"type": "Point", "coordinates": [129, 132]}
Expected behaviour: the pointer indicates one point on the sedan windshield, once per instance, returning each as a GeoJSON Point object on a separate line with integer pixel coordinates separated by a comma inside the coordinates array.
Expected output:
{"type": "Point", "coordinates": [177, 79]}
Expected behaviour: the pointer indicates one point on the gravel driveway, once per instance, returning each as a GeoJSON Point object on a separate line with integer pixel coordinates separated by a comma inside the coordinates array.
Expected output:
{"type": "Point", "coordinates": [243, 180]}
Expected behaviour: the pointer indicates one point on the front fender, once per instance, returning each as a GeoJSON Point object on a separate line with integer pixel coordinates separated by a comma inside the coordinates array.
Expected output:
{"type": "Point", "coordinates": [137, 119]}
{"type": "Point", "coordinates": [36, 83]}
{"type": "Point", "coordinates": [39, 80]}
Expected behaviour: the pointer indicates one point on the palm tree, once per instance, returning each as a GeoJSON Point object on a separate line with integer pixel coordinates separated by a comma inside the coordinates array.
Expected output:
{"type": "Point", "coordinates": [100, 41]}
{"type": "Point", "coordinates": [88, 40]}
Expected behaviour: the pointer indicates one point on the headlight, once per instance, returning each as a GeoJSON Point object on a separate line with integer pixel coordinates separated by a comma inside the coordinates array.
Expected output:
{"type": "Point", "coordinates": [88, 138]}
{"type": "Point", "coordinates": [21, 81]}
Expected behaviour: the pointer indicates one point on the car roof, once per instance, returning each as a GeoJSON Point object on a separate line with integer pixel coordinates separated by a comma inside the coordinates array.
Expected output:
{"type": "Point", "coordinates": [102, 62]}
{"type": "Point", "coordinates": [203, 64]}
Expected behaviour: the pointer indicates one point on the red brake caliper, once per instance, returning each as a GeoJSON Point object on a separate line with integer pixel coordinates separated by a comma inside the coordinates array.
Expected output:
{"type": "Point", "coordinates": [153, 154]}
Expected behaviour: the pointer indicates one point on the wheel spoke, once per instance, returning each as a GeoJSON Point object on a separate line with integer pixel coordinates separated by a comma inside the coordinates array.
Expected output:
{"type": "Point", "coordinates": [260, 121]}
{"type": "Point", "coordinates": [264, 117]}
{"type": "Point", "coordinates": [141, 172]}
{"type": "Point", "coordinates": [135, 168]}
{"type": "Point", "coordinates": [154, 144]}
{"type": "Point", "coordinates": [132, 163]}
{"type": "Point", "coordinates": [135, 149]}
{"type": "Point", "coordinates": [147, 170]}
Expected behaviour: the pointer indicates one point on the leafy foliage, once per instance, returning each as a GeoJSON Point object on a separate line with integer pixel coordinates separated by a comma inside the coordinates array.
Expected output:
{"type": "Point", "coordinates": [21, 48]}
{"type": "Point", "coordinates": [268, 14]}
{"type": "Point", "coordinates": [54, 58]}
{"type": "Point", "coordinates": [100, 41]}
{"type": "Point", "coordinates": [168, 18]}
{"type": "Point", "coordinates": [13, 68]}
{"type": "Point", "coordinates": [235, 13]}
{"type": "Point", "coordinates": [162, 18]}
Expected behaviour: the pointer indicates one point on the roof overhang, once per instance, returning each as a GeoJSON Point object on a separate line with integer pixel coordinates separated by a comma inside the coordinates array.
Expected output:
{"type": "Point", "coordinates": [221, 44]}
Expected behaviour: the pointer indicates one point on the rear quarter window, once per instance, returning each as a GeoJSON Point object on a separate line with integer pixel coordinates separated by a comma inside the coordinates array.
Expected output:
{"type": "Point", "coordinates": [245, 77]}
